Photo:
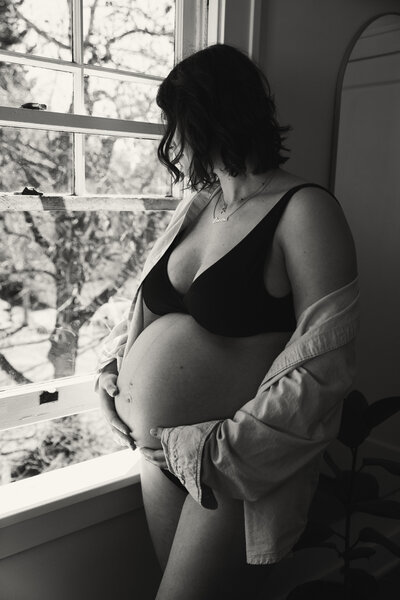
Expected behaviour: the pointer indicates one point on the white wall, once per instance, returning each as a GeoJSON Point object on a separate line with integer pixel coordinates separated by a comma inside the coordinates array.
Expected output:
{"type": "Point", "coordinates": [110, 559]}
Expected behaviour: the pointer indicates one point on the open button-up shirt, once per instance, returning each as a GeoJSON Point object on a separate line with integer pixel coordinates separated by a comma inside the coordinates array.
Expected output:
{"type": "Point", "coordinates": [269, 453]}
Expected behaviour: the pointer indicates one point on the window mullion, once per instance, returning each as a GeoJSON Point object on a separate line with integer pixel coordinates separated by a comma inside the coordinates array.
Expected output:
{"type": "Point", "coordinates": [38, 61]}
{"type": "Point", "coordinates": [79, 99]}
{"type": "Point", "coordinates": [79, 164]}
{"type": "Point", "coordinates": [74, 67]}
{"type": "Point", "coordinates": [121, 75]}
{"type": "Point", "coordinates": [190, 27]}
{"type": "Point", "coordinates": [38, 119]}
{"type": "Point", "coordinates": [191, 22]}
{"type": "Point", "coordinates": [77, 31]}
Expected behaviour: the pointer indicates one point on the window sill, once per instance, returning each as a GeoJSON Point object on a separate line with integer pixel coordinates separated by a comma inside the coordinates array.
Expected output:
{"type": "Point", "coordinates": [50, 505]}
{"type": "Point", "coordinates": [19, 202]}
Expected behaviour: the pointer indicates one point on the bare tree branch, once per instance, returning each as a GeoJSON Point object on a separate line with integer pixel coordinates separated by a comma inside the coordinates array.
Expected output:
{"type": "Point", "coordinates": [46, 35]}
{"type": "Point", "coordinates": [39, 239]}
{"type": "Point", "coordinates": [91, 20]}
{"type": "Point", "coordinates": [116, 38]}
{"type": "Point", "coordinates": [43, 271]}
{"type": "Point", "coordinates": [10, 333]}
{"type": "Point", "coordinates": [11, 232]}
{"type": "Point", "coordinates": [43, 153]}
{"type": "Point", "coordinates": [10, 370]}
{"type": "Point", "coordinates": [23, 163]}
{"type": "Point", "coordinates": [23, 344]}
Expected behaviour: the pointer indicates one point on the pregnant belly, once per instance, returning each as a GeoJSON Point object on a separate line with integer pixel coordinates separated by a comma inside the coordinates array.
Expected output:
{"type": "Point", "coordinates": [177, 373]}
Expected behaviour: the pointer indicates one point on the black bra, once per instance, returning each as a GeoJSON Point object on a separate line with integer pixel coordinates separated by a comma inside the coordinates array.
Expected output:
{"type": "Point", "coordinates": [229, 298]}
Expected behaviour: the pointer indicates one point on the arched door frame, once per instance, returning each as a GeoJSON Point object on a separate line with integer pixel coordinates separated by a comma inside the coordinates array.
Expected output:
{"type": "Point", "coordinates": [338, 92]}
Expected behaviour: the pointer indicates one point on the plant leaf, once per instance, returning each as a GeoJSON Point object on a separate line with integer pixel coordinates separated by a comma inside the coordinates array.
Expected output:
{"type": "Point", "coordinates": [369, 534]}
{"type": "Point", "coordinates": [363, 552]}
{"type": "Point", "coordinates": [390, 465]}
{"type": "Point", "coordinates": [315, 590]}
{"type": "Point", "coordinates": [366, 486]}
{"type": "Point", "coordinates": [382, 508]}
{"type": "Point", "coordinates": [314, 534]}
{"type": "Point", "coordinates": [381, 410]}
{"type": "Point", "coordinates": [353, 427]}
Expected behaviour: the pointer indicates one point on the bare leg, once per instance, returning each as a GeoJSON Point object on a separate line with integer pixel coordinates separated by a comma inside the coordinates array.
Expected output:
{"type": "Point", "coordinates": [207, 558]}
{"type": "Point", "coordinates": [163, 503]}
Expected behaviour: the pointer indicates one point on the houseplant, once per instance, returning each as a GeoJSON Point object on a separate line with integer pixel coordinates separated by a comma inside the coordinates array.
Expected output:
{"type": "Point", "coordinates": [353, 490]}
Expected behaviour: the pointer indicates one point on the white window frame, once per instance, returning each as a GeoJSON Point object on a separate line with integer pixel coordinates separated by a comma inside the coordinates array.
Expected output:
{"type": "Point", "coordinates": [190, 35]}
{"type": "Point", "coordinates": [21, 405]}
{"type": "Point", "coordinates": [198, 23]}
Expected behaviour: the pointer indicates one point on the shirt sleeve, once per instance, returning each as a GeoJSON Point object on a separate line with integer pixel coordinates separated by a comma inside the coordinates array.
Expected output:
{"type": "Point", "coordinates": [112, 347]}
{"type": "Point", "coordinates": [270, 438]}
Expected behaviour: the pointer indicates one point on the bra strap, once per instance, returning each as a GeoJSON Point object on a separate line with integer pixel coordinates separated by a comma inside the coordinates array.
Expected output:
{"type": "Point", "coordinates": [274, 215]}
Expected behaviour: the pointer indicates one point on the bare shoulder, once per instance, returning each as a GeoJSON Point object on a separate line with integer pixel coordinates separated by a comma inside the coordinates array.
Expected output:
{"type": "Point", "coordinates": [317, 244]}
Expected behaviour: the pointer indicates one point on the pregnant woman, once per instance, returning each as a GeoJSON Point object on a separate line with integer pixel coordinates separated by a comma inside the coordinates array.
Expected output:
{"type": "Point", "coordinates": [219, 376]}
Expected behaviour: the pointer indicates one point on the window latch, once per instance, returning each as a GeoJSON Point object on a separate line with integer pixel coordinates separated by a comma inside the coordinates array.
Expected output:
{"type": "Point", "coordinates": [34, 106]}
{"type": "Point", "coordinates": [46, 397]}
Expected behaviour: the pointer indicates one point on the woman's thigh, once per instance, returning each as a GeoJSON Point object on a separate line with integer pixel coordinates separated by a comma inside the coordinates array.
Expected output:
{"type": "Point", "coordinates": [208, 556]}
{"type": "Point", "coordinates": [163, 502]}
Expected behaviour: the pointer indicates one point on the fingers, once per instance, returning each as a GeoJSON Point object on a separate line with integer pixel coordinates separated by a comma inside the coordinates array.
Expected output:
{"type": "Point", "coordinates": [156, 457]}
{"type": "Point", "coordinates": [119, 425]}
{"type": "Point", "coordinates": [120, 429]}
{"type": "Point", "coordinates": [110, 384]}
{"type": "Point", "coordinates": [108, 405]}
{"type": "Point", "coordinates": [156, 432]}
{"type": "Point", "coordinates": [124, 440]}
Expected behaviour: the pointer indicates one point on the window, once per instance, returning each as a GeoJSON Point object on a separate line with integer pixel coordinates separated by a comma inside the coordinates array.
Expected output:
{"type": "Point", "coordinates": [70, 257]}
{"type": "Point", "coordinates": [79, 58]}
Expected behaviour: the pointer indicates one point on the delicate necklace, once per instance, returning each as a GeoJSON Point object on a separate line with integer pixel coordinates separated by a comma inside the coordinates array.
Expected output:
{"type": "Point", "coordinates": [222, 217]}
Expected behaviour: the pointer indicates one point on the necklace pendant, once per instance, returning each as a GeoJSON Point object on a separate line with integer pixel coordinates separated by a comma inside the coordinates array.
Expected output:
{"type": "Point", "coordinates": [220, 219]}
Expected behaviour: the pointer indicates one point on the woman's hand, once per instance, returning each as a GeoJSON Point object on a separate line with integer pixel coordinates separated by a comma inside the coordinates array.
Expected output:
{"type": "Point", "coordinates": [107, 390]}
{"type": "Point", "coordinates": [157, 457]}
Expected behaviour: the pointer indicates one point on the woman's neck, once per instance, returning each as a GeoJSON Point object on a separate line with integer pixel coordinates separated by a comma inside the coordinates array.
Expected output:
{"type": "Point", "coordinates": [236, 188]}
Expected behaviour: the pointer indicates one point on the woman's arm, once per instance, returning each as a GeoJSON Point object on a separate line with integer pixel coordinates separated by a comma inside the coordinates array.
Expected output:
{"type": "Point", "coordinates": [317, 246]}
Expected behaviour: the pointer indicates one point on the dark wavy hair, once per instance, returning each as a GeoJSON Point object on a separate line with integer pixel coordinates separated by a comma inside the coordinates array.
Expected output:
{"type": "Point", "coordinates": [220, 104]}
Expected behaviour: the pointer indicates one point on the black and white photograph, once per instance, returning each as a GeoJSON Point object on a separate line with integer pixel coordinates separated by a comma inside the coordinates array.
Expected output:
{"type": "Point", "coordinates": [199, 299]}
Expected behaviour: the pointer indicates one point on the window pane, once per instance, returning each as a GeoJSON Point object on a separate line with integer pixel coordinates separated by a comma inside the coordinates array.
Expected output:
{"type": "Point", "coordinates": [41, 27]}
{"type": "Point", "coordinates": [124, 166]}
{"type": "Point", "coordinates": [20, 84]}
{"type": "Point", "coordinates": [121, 99]}
{"type": "Point", "coordinates": [49, 445]}
{"type": "Point", "coordinates": [35, 158]}
{"type": "Point", "coordinates": [66, 277]}
{"type": "Point", "coordinates": [136, 35]}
